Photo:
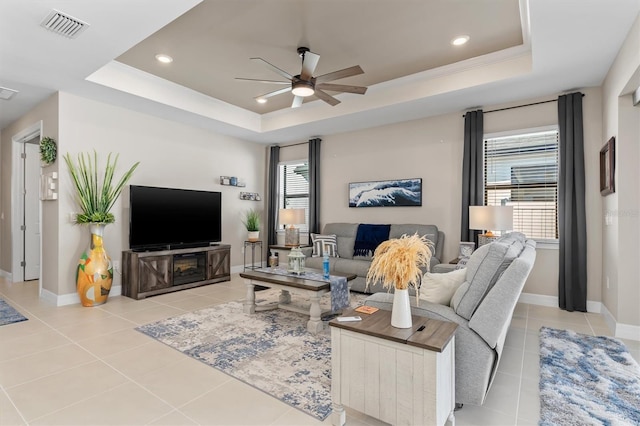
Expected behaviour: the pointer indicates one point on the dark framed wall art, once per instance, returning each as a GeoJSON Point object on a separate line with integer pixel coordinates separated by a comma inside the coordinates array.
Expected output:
{"type": "Point", "coordinates": [386, 193]}
{"type": "Point", "coordinates": [607, 167]}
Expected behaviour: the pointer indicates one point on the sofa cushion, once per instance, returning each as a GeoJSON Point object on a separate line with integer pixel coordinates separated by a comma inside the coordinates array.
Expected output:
{"type": "Point", "coordinates": [429, 231]}
{"type": "Point", "coordinates": [346, 235]}
{"type": "Point", "coordinates": [439, 288]}
{"type": "Point", "coordinates": [324, 244]}
{"type": "Point", "coordinates": [484, 268]}
{"type": "Point", "coordinates": [353, 266]}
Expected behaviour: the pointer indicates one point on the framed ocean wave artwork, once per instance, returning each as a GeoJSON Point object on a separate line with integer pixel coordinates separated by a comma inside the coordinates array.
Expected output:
{"type": "Point", "coordinates": [386, 193]}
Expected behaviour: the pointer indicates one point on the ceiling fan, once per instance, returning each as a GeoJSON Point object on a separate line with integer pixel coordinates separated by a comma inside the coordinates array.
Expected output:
{"type": "Point", "coordinates": [305, 84]}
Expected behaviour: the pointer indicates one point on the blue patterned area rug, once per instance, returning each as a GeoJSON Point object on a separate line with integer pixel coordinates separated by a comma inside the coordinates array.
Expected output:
{"type": "Point", "coordinates": [270, 350]}
{"type": "Point", "coordinates": [587, 380]}
{"type": "Point", "coordinates": [8, 314]}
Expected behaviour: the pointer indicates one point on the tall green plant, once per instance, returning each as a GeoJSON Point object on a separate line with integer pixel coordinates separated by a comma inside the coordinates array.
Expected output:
{"type": "Point", "coordinates": [96, 198]}
{"type": "Point", "coordinates": [252, 220]}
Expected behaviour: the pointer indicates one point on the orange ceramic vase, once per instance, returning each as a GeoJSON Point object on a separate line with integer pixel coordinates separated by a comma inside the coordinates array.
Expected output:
{"type": "Point", "coordinates": [95, 272]}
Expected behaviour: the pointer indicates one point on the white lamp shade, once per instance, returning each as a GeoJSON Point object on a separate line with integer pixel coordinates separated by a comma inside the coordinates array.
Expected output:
{"type": "Point", "coordinates": [291, 216]}
{"type": "Point", "coordinates": [491, 218]}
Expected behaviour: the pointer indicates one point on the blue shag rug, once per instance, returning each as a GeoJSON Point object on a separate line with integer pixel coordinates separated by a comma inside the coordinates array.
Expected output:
{"type": "Point", "coordinates": [8, 314]}
{"type": "Point", "coordinates": [270, 350]}
{"type": "Point", "coordinates": [587, 380]}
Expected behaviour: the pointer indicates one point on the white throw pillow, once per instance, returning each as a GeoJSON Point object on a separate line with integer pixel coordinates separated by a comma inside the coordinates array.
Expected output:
{"type": "Point", "coordinates": [439, 288]}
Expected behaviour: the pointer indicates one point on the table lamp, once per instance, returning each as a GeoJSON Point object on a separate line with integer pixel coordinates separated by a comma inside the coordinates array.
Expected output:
{"type": "Point", "coordinates": [490, 218]}
{"type": "Point", "coordinates": [291, 217]}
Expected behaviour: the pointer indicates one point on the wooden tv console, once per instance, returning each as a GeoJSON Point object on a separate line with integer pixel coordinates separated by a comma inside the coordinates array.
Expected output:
{"type": "Point", "coordinates": [148, 273]}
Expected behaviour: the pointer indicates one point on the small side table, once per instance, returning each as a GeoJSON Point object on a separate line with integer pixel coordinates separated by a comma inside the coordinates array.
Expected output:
{"type": "Point", "coordinates": [397, 375]}
{"type": "Point", "coordinates": [252, 245]}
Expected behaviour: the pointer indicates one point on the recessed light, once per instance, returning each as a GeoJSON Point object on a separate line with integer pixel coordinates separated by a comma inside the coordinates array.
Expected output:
{"type": "Point", "coordinates": [165, 59]}
{"type": "Point", "coordinates": [460, 40]}
{"type": "Point", "coordinates": [261, 100]}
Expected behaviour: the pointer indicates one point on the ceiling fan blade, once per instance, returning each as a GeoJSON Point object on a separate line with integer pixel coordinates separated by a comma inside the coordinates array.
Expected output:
{"type": "Point", "coordinates": [297, 101]}
{"type": "Point", "coordinates": [263, 81]}
{"type": "Point", "coordinates": [326, 97]}
{"type": "Point", "coordinates": [337, 75]}
{"type": "Point", "coordinates": [360, 90]}
{"type": "Point", "coordinates": [274, 68]}
{"type": "Point", "coordinates": [309, 64]}
{"type": "Point", "coordinates": [274, 93]}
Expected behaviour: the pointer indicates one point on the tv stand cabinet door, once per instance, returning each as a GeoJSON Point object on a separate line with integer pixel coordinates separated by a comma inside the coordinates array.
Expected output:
{"type": "Point", "coordinates": [155, 273]}
{"type": "Point", "coordinates": [219, 263]}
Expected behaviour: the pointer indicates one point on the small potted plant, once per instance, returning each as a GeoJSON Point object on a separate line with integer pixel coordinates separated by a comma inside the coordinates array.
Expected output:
{"type": "Point", "coordinates": [396, 262]}
{"type": "Point", "coordinates": [252, 222]}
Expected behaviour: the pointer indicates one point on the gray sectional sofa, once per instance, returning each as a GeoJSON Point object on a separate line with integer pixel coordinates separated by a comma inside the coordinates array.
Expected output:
{"type": "Point", "coordinates": [482, 307]}
{"type": "Point", "coordinates": [348, 263]}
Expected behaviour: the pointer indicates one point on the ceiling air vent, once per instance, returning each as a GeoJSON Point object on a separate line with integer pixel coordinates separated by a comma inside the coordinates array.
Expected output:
{"type": "Point", "coordinates": [63, 24]}
{"type": "Point", "coordinates": [6, 93]}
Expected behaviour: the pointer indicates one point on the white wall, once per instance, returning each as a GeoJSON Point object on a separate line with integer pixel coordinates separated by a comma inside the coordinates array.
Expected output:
{"type": "Point", "coordinates": [432, 149]}
{"type": "Point", "coordinates": [621, 250]}
{"type": "Point", "coordinates": [47, 112]}
{"type": "Point", "coordinates": [171, 155]}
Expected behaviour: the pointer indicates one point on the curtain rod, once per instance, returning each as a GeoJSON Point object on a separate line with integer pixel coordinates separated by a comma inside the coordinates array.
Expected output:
{"type": "Point", "coordinates": [520, 106]}
{"type": "Point", "coordinates": [294, 144]}
{"type": "Point", "coordinates": [299, 143]}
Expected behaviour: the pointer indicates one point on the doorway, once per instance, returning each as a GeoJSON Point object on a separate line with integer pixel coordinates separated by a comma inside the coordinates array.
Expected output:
{"type": "Point", "coordinates": [26, 210]}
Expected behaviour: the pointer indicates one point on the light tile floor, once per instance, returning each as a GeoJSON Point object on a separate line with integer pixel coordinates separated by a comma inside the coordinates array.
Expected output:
{"type": "Point", "coordinates": [78, 366]}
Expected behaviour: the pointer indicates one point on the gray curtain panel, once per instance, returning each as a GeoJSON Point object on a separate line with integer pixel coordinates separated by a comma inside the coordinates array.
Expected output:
{"type": "Point", "coordinates": [272, 196]}
{"type": "Point", "coordinates": [314, 185]}
{"type": "Point", "coordinates": [572, 223]}
{"type": "Point", "coordinates": [472, 181]}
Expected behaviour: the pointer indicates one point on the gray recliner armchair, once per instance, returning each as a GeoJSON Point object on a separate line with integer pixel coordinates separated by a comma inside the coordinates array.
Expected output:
{"type": "Point", "coordinates": [482, 307]}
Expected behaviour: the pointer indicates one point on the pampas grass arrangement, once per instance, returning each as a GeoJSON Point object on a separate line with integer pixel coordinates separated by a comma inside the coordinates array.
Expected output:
{"type": "Point", "coordinates": [397, 262]}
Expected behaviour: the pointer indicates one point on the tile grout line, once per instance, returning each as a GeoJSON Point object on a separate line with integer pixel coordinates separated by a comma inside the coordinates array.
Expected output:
{"type": "Point", "coordinates": [4, 391]}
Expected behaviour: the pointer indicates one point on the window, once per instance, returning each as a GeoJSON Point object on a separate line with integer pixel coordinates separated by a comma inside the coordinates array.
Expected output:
{"type": "Point", "coordinates": [293, 193]}
{"type": "Point", "coordinates": [521, 170]}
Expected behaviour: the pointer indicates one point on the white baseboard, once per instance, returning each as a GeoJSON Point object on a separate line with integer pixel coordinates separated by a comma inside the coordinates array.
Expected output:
{"type": "Point", "coordinates": [72, 298]}
{"type": "Point", "coordinates": [552, 301]}
{"type": "Point", "coordinates": [5, 274]}
{"type": "Point", "coordinates": [627, 331]}
{"type": "Point", "coordinates": [623, 331]}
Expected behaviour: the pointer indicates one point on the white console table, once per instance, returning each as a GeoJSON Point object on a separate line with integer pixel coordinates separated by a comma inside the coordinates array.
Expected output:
{"type": "Point", "coordinates": [399, 376]}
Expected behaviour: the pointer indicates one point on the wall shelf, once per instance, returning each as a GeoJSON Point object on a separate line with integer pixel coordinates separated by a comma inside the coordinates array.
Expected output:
{"type": "Point", "coordinates": [232, 181]}
{"type": "Point", "coordinates": [250, 196]}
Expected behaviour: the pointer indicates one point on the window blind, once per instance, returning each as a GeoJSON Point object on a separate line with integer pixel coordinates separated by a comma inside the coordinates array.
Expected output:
{"type": "Point", "coordinates": [293, 191]}
{"type": "Point", "coordinates": [522, 171]}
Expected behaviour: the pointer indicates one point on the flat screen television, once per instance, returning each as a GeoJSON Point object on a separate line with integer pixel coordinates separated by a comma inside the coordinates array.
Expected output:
{"type": "Point", "coordinates": [167, 218]}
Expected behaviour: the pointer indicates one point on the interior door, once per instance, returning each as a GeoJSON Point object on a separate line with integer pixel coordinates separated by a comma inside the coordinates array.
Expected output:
{"type": "Point", "coordinates": [31, 229]}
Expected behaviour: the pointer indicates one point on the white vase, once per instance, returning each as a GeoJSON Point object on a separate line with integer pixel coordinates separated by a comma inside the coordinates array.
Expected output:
{"type": "Point", "coordinates": [401, 310]}
{"type": "Point", "coordinates": [253, 235]}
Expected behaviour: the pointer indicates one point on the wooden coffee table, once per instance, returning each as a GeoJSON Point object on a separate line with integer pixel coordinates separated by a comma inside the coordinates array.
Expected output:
{"type": "Point", "coordinates": [288, 284]}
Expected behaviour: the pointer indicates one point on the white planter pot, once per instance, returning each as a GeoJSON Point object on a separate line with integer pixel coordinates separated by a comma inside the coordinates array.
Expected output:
{"type": "Point", "coordinates": [253, 235]}
{"type": "Point", "coordinates": [401, 310]}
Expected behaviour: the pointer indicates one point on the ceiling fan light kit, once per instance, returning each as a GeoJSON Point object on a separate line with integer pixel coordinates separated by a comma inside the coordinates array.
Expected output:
{"type": "Point", "coordinates": [302, 88]}
{"type": "Point", "coordinates": [305, 84]}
